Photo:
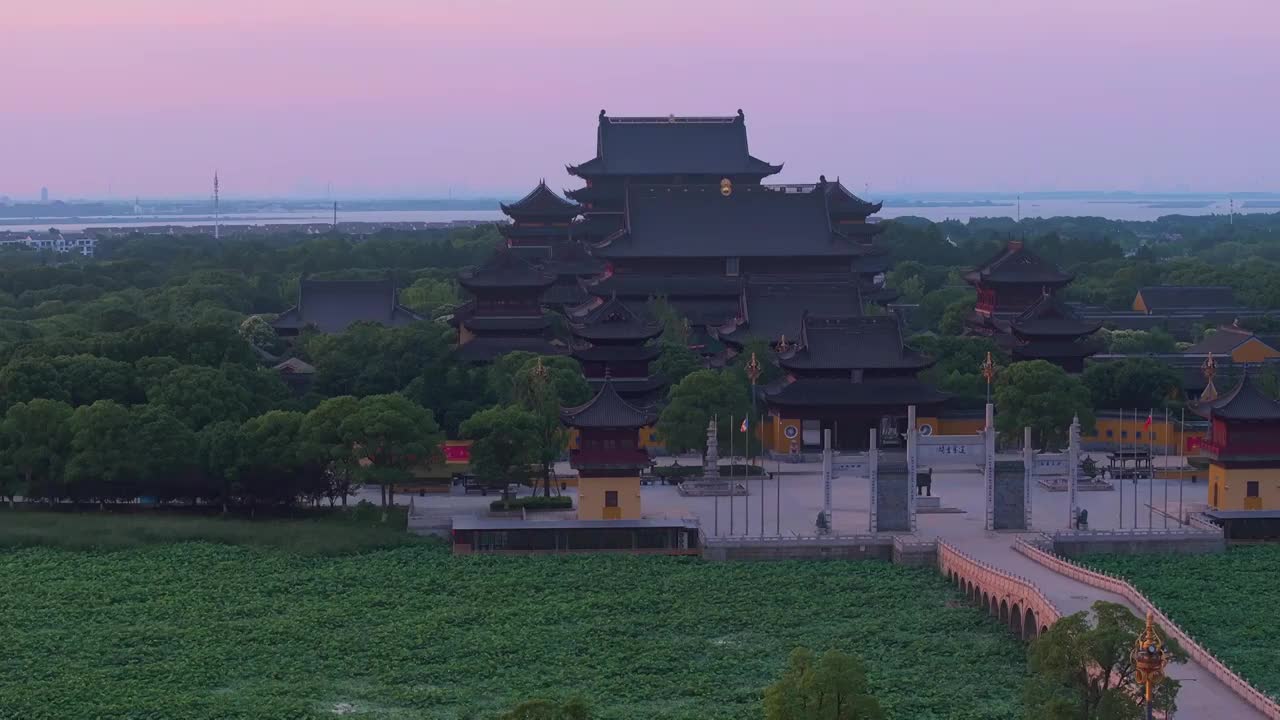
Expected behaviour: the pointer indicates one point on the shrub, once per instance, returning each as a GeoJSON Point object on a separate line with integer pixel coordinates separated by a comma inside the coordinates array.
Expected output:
{"type": "Point", "coordinates": [533, 503]}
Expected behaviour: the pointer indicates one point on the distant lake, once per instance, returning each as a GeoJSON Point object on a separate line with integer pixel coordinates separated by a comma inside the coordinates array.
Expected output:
{"type": "Point", "coordinates": [1140, 210]}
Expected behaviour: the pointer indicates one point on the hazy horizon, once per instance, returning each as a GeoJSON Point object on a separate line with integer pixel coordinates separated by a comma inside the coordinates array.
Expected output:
{"type": "Point", "coordinates": [404, 98]}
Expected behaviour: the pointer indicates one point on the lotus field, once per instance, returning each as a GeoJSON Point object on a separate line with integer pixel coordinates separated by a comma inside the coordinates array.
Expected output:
{"type": "Point", "coordinates": [1226, 602]}
{"type": "Point", "coordinates": [198, 630]}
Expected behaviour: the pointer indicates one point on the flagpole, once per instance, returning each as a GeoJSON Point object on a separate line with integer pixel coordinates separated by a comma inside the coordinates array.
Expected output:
{"type": "Point", "coordinates": [1165, 481]}
{"type": "Point", "coordinates": [746, 481]}
{"type": "Point", "coordinates": [760, 429]}
{"type": "Point", "coordinates": [732, 487]}
{"type": "Point", "coordinates": [1151, 481]}
{"type": "Point", "coordinates": [1120, 456]}
{"type": "Point", "coordinates": [1182, 444]}
{"type": "Point", "coordinates": [1135, 468]}
{"type": "Point", "coordinates": [715, 419]}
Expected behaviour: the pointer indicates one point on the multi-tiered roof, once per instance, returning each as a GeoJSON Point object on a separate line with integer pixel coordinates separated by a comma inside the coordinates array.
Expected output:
{"type": "Point", "coordinates": [504, 313]}
{"type": "Point", "coordinates": [850, 362]}
{"type": "Point", "coordinates": [613, 341]}
{"type": "Point", "coordinates": [607, 433]}
{"type": "Point", "coordinates": [1018, 306]}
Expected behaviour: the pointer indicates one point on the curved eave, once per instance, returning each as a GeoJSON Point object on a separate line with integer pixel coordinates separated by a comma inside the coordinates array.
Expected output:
{"type": "Point", "coordinates": [602, 334]}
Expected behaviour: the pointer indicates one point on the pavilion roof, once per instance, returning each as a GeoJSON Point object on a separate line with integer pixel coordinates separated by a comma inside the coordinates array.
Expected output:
{"type": "Point", "coordinates": [673, 146]}
{"type": "Point", "coordinates": [541, 202]}
{"type": "Point", "coordinates": [1015, 263]}
{"type": "Point", "coordinates": [843, 393]}
{"type": "Point", "coordinates": [1050, 316]}
{"type": "Point", "coordinates": [613, 320]}
{"type": "Point", "coordinates": [505, 269]}
{"type": "Point", "coordinates": [1246, 401]}
{"type": "Point", "coordinates": [606, 410]}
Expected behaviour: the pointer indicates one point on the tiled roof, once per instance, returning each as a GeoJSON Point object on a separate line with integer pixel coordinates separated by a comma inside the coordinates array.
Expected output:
{"type": "Point", "coordinates": [541, 202]}
{"type": "Point", "coordinates": [613, 320]}
{"type": "Point", "coordinates": [862, 343]}
{"type": "Point", "coordinates": [332, 305]}
{"type": "Point", "coordinates": [1246, 401]}
{"type": "Point", "coordinates": [674, 221]}
{"type": "Point", "coordinates": [1164, 298]}
{"type": "Point", "coordinates": [776, 305]}
{"type": "Point", "coordinates": [505, 269]}
{"type": "Point", "coordinates": [606, 410]}
{"type": "Point", "coordinates": [673, 146]}
{"type": "Point", "coordinates": [837, 392]}
{"type": "Point", "coordinates": [645, 285]}
{"type": "Point", "coordinates": [1049, 316]}
{"type": "Point", "coordinates": [1015, 263]}
{"type": "Point", "coordinates": [1222, 341]}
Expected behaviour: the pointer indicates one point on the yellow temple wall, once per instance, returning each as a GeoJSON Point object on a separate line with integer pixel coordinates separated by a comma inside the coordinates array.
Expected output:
{"type": "Point", "coordinates": [1125, 432]}
{"type": "Point", "coordinates": [1230, 487]}
{"type": "Point", "coordinates": [591, 498]}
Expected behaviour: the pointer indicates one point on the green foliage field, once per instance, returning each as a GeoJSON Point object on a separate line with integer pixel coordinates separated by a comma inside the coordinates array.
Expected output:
{"type": "Point", "coordinates": [1227, 602]}
{"type": "Point", "coordinates": [197, 630]}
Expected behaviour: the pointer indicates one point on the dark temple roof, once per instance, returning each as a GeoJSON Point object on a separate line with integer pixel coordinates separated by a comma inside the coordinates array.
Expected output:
{"type": "Point", "coordinates": [1017, 264]}
{"type": "Point", "coordinates": [1222, 341]}
{"type": "Point", "coordinates": [606, 410]}
{"type": "Point", "coordinates": [843, 393]}
{"type": "Point", "coordinates": [505, 270]}
{"type": "Point", "coordinates": [541, 202]}
{"type": "Point", "coordinates": [613, 320]}
{"type": "Point", "coordinates": [673, 146]}
{"type": "Point", "coordinates": [843, 202]}
{"type": "Point", "coordinates": [1246, 401]}
{"type": "Point", "coordinates": [1167, 298]}
{"type": "Point", "coordinates": [1051, 317]}
{"type": "Point", "coordinates": [753, 221]}
{"type": "Point", "coordinates": [484, 349]}
{"type": "Point", "coordinates": [332, 305]}
{"type": "Point", "coordinates": [863, 343]}
{"type": "Point", "coordinates": [646, 285]}
{"type": "Point", "coordinates": [775, 305]}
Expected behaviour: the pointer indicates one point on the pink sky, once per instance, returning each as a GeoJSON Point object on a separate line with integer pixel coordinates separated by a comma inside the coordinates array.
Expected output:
{"type": "Point", "coordinates": [416, 96]}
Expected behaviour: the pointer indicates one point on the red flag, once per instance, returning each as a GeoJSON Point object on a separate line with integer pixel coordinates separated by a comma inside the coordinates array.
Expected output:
{"type": "Point", "coordinates": [1147, 424]}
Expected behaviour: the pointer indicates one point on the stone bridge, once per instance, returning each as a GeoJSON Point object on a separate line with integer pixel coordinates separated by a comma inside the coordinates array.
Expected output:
{"type": "Point", "coordinates": [1014, 600]}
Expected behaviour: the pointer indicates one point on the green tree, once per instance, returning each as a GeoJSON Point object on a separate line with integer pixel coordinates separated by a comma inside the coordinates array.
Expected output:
{"type": "Point", "coordinates": [957, 367]}
{"type": "Point", "coordinates": [833, 687]}
{"type": "Point", "coordinates": [572, 709]}
{"type": "Point", "coordinates": [1132, 383]}
{"type": "Point", "coordinates": [506, 443]}
{"type": "Point", "coordinates": [694, 402]}
{"type": "Point", "coordinates": [953, 317]}
{"type": "Point", "coordinates": [389, 435]}
{"type": "Point", "coordinates": [1042, 396]}
{"type": "Point", "coordinates": [199, 395]}
{"type": "Point", "coordinates": [1083, 671]}
{"type": "Point", "coordinates": [676, 361]}
{"type": "Point", "coordinates": [35, 438]}
{"type": "Point", "coordinates": [543, 388]}
{"type": "Point", "coordinates": [26, 379]}
{"type": "Point", "coordinates": [88, 378]}
{"type": "Point", "coordinates": [220, 446]}
{"type": "Point", "coordinates": [163, 445]}
{"type": "Point", "coordinates": [105, 454]}
{"type": "Point", "coordinates": [272, 458]}
{"type": "Point", "coordinates": [1135, 342]}
{"type": "Point", "coordinates": [322, 431]}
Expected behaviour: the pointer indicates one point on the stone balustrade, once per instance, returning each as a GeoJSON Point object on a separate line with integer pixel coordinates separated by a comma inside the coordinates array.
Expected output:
{"type": "Point", "coordinates": [1015, 600]}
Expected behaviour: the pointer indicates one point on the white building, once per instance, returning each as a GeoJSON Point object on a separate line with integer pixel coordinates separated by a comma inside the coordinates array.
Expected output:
{"type": "Point", "coordinates": [59, 243]}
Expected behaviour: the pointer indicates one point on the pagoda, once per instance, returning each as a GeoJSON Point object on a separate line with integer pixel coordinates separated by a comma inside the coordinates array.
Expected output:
{"type": "Point", "coordinates": [608, 455]}
{"type": "Point", "coordinates": [612, 343]}
{"type": "Point", "coordinates": [1018, 306]}
{"type": "Point", "coordinates": [541, 232]}
{"type": "Point", "coordinates": [1243, 448]}
{"type": "Point", "coordinates": [504, 313]}
{"type": "Point", "coordinates": [847, 374]}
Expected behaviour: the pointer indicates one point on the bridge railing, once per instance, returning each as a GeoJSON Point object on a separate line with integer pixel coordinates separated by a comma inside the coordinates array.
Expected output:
{"type": "Point", "coordinates": [1119, 586]}
{"type": "Point", "coordinates": [950, 556]}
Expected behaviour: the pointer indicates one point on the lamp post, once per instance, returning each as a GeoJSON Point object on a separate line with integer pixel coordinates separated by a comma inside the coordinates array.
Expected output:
{"type": "Point", "coordinates": [1149, 661]}
{"type": "Point", "coordinates": [989, 373]}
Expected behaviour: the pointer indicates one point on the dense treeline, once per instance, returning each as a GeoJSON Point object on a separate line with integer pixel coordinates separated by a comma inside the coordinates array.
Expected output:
{"type": "Point", "coordinates": [146, 371]}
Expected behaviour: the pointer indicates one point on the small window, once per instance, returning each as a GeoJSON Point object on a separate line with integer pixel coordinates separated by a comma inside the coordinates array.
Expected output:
{"type": "Point", "coordinates": [1251, 488]}
{"type": "Point", "coordinates": [1111, 433]}
{"type": "Point", "coordinates": [1139, 434]}
{"type": "Point", "coordinates": [1124, 433]}
{"type": "Point", "coordinates": [611, 498]}
{"type": "Point", "coordinates": [731, 266]}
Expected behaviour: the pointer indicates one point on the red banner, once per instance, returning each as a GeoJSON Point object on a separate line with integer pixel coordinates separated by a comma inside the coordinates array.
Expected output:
{"type": "Point", "coordinates": [456, 451]}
